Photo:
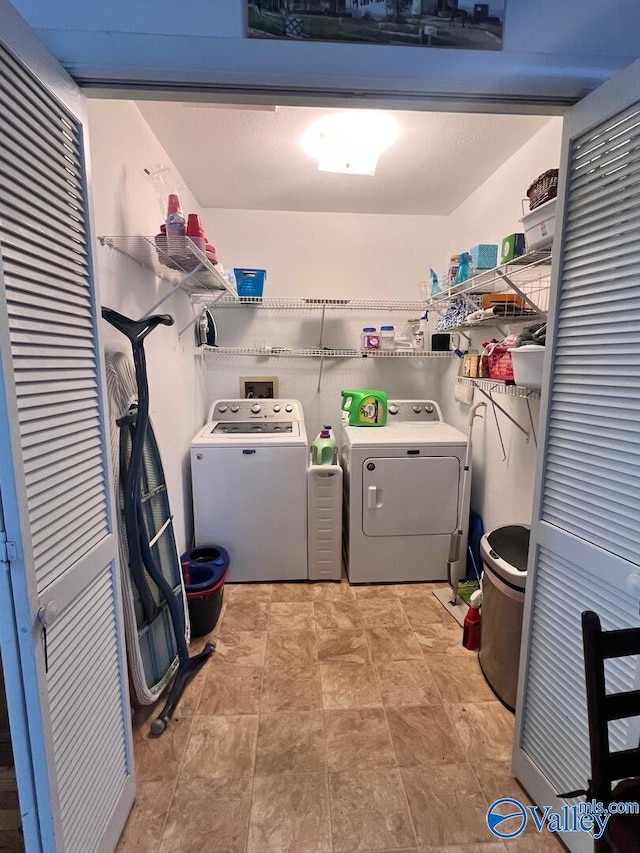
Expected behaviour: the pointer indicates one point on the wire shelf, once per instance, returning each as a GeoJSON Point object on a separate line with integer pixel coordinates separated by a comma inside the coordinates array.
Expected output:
{"type": "Point", "coordinates": [494, 386]}
{"type": "Point", "coordinates": [302, 304]}
{"type": "Point", "coordinates": [283, 352]}
{"type": "Point", "coordinates": [517, 292]}
{"type": "Point", "coordinates": [185, 267]}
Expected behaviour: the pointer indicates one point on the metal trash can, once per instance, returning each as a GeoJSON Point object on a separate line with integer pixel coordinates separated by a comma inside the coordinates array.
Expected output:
{"type": "Point", "coordinates": [504, 553]}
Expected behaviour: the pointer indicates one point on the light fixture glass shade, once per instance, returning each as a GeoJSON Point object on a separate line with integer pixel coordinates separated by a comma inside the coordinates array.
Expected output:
{"type": "Point", "coordinates": [350, 141]}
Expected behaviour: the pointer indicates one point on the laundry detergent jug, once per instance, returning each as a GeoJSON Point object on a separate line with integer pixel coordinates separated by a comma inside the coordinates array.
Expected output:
{"type": "Point", "coordinates": [365, 408]}
{"type": "Point", "coordinates": [323, 448]}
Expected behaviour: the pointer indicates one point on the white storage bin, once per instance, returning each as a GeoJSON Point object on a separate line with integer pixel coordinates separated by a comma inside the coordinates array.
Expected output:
{"type": "Point", "coordinates": [539, 225]}
{"type": "Point", "coordinates": [528, 361]}
{"type": "Point", "coordinates": [324, 522]}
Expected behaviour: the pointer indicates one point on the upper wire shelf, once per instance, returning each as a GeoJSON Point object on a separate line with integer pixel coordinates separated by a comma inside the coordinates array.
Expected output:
{"type": "Point", "coordinates": [511, 293]}
{"type": "Point", "coordinates": [178, 261]}
{"type": "Point", "coordinates": [302, 304]}
{"type": "Point", "coordinates": [285, 352]}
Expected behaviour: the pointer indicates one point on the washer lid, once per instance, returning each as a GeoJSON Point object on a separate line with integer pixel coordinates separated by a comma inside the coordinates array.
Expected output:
{"type": "Point", "coordinates": [217, 433]}
{"type": "Point", "coordinates": [405, 432]}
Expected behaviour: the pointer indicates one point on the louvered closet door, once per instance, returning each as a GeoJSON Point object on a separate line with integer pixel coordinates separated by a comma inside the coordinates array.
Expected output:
{"type": "Point", "coordinates": [586, 530]}
{"type": "Point", "coordinates": [54, 482]}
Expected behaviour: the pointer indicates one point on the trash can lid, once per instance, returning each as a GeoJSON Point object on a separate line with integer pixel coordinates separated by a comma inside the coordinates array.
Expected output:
{"type": "Point", "coordinates": [505, 551]}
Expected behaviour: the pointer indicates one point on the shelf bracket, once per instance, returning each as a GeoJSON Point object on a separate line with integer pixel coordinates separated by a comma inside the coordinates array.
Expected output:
{"type": "Point", "coordinates": [489, 395]}
{"type": "Point", "coordinates": [533, 429]}
{"type": "Point", "coordinates": [175, 287]}
{"type": "Point", "coordinates": [519, 291]}
{"type": "Point", "coordinates": [320, 347]}
{"type": "Point", "coordinates": [196, 317]}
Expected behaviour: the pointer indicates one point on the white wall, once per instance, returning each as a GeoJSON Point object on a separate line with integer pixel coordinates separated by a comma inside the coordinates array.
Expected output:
{"type": "Point", "coordinates": [330, 255]}
{"type": "Point", "coordinates": [323, 255]}
{"type": "Point", "coordinates": [502, 489]}
{"type": "Point", "coordinates": [550, 48]}
{"type": "Point", "coordinates": [125, 203]}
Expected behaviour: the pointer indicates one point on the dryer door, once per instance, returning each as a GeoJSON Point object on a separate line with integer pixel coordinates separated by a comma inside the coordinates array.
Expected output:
{"type": "Point", "coordinates": [410, 497]}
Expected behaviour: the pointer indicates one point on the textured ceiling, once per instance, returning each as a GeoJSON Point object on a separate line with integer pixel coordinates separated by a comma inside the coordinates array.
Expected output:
{"type": "Point", "coordinates": [247, 158]}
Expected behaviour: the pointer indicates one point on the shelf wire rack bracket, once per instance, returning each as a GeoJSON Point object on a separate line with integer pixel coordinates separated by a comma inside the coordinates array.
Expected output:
{"type": "Point", "coordinates": [488, 389]}
{"type": "Point", "coordinates": [178, 286]}
{"type": "Point", "coordinates": [321, 347]}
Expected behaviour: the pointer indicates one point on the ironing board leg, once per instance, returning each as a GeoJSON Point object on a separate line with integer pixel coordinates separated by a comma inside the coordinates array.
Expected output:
{"type": "Point", "coordinates": [186, 670]}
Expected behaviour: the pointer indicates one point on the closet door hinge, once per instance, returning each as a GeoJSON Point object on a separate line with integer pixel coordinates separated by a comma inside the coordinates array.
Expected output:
{"type": "Point", "coordinates": [8, 550]}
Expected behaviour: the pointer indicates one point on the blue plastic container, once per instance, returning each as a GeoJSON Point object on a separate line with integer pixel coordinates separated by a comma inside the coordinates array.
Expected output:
{"type": "Point", "coordinates": [250, 282]}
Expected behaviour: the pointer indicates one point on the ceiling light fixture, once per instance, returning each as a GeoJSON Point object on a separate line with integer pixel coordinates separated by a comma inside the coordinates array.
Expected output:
{"type": "Point", "coordinates": [350, 142]}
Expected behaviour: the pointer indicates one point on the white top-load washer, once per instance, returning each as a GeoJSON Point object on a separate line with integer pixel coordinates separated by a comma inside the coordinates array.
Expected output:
{"type": "Point", "coordinates": [405, 495]}
{"type": "Point", "coordinates": [249, 476]}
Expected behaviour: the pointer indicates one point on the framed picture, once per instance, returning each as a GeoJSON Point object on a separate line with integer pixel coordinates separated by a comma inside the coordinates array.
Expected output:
{"type": "Point", "coordinates": [422, 23]}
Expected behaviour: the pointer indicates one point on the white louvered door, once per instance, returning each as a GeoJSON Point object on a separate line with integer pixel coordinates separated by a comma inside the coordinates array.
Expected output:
{"type": "Point", "coordinates": [585, 535]}
{"type": "Point", "coordinates": [66, 644]}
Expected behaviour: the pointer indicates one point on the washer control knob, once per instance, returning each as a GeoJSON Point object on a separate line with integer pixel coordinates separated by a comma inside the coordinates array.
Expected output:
{"type": "Point", "coordinates": [429, 409]}
{"type": "Point", "coordinates": [288, 407]}
{"type": "Point", "coordinates": [235, 408]}
{"type": "Point", "coordinates": [417, 409]}
{"type": "Point", "coordinates": [276, 408]}
{"type": "Point", "coordinates": [256, 408]}
{"type": "Point", "coordinates": [393, 409]}
{"type": "Point", "coordinates": [222, 408]}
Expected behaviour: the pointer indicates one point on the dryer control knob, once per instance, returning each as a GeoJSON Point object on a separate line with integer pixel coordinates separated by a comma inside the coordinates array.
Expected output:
{"type": "Point", "coordinates": [393, 409]}
{"type": "Point", "coordinates": [416, 409]}
{"type": "Point", "coordinates": [222, 408]}
{"type": "Point", "coordinates": [235, 408]}
{"type": "Point", "coordinates": [288, 408]}
{"type": "Point", "coordinates": [428, 409]}
{"type": "Point", "coordinates": [276, 408]}
{"type": "Point", "coordinates": [256, 408]}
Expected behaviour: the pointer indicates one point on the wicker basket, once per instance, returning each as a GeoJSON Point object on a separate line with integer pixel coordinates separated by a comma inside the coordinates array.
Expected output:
{"type": "Point", "coordinates": [497, 363]}
{"type": "Point", "coordinates": [543, 189]}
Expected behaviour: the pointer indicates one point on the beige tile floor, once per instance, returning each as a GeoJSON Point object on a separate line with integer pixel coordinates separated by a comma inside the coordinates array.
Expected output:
{"type": "Point", "coordinates": [330, 719]}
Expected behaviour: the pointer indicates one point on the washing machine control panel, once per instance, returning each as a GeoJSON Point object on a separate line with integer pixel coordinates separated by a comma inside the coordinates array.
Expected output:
{"type": "Point", "coordinates": [249, 409]}
{"type": "Point", "coordinates": [413, 410]}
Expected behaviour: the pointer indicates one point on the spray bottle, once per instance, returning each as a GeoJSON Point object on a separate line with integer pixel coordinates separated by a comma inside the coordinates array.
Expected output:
{"type": "Point", "coordinates": [471, 629]}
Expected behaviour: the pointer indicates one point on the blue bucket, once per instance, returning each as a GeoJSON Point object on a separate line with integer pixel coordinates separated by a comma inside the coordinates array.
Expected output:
{"type": "Point", "coordinates": [203, 567]}
{"type": "Point", "coordinates": [204, 570]}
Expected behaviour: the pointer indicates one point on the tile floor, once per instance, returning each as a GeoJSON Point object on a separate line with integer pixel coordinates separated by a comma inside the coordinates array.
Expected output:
{"type": "Point", "coordinates": [329, 719]}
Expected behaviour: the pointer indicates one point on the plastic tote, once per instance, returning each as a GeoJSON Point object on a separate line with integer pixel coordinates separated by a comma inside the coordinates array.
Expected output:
{"type": "Point", "coordinates": [204, 570]}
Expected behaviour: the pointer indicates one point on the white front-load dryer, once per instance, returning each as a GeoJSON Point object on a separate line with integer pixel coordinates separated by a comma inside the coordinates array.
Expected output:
{"type": "Point", "coordinates": [249, 479]}
{"type": "Point", "coordinates": [405, 495]}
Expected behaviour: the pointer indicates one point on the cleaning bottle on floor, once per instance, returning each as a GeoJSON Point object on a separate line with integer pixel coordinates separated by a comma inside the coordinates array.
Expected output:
{"type": "Point", "coordinates": [471, 628]}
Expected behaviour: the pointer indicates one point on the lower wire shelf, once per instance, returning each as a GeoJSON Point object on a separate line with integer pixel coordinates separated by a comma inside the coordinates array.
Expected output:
{"type": "Point", "coordinates": [496, 386]}
{"type": "Point", "coordinates": [284, 352]}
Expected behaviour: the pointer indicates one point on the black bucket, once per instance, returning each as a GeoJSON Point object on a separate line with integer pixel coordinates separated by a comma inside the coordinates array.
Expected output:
{"type": "Point", "coordinates": [204, 570]}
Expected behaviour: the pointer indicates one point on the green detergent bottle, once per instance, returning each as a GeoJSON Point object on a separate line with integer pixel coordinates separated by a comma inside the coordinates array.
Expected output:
{"type": "Point", "coordinates": [323, 447]}
{"type": "Point", "coordinates": [366, 408]}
